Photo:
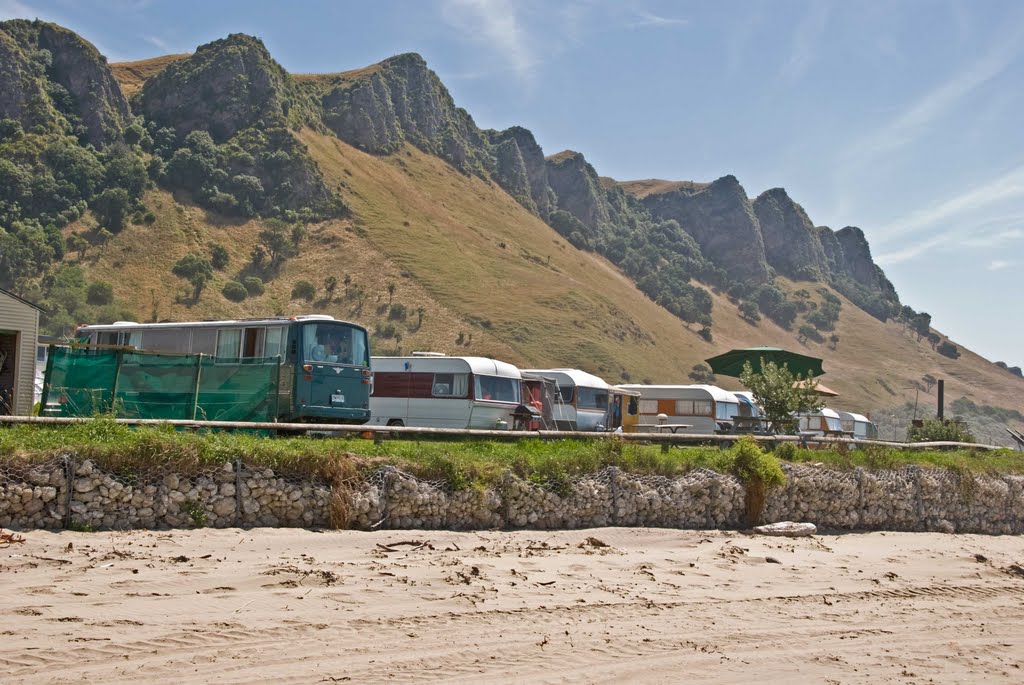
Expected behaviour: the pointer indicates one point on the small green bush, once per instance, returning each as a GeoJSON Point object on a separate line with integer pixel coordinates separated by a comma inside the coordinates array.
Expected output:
{"type": "Point", "coordinates": [234, 291]}
{"type": "Point", "coordinates": [253, 285]}
{"type": "Point", "coordinates": [933, 430]}
{"type": "Point", "coordinates": [752, 464]}
{"type": "Point", "coordinates": [304, 290]}
{"type": "Point", "coordinates": [99, 293]}
{"type": "Point", "coordinates": [397, 312]}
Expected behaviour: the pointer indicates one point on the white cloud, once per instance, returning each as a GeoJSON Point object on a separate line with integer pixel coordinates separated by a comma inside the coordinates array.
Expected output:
{"type": "Point", "coordinates": [914, 120]}
{"type": "Point", "coordinates": [158, 42]}
{"type": "Point", "coordinates": [997, 264]}
{"type": "Point", "coordinates": [648, 19]}
{"type": "Point", "coordinates": [915, 249]}
{"type": "Point", "coordinates": [806, 41]}
{"type": "Point", "coordinates": [1001, 188]}
{"type": "Point", "coordinates": [995, 238]}
{"type": "Point", "coordinates": [496, 25]}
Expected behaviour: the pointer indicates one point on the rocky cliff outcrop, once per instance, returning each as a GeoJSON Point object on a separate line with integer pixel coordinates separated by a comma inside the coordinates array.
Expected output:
{"type": "Point", "coordinates": [226, 86]}
{"type": "Point", "coordinates": [791, 243]}
{"type": "Point", "coordinates": [720, 218]}
{"type": "Point", "coordinates": [858, 264]}
{"type": "Point", "coordinates": [21, 92]}
{"type": "Point", "coordinates": [540, 192]}
{"type": "Point", "coordinates": [401, 99]}
{"type": "Point", "coordinates": [577, 188]}
{"type": "Point", "coordinates": [51, 77]}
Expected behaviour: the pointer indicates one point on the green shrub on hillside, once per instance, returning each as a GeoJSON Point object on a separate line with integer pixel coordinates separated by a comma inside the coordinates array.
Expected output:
{"type": "Point", "coordinates": [234, 291]}
{"type": "Point", "coordinates": [253, 285]}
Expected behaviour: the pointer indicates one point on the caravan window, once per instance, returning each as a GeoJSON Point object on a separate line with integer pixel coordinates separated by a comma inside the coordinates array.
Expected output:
{"type": "Point", "coordinates": [591, 398]}
{"type": "Point", "coordinates": [566, 391]}
{"type": "Point", "coordinates": [497, 388]}
{"type": "Point", "coordinates": [648, 406]}
{"type": "Point", "coordinates": [726, 410]}
{"type": "Point", "coordinates": [450, 384]}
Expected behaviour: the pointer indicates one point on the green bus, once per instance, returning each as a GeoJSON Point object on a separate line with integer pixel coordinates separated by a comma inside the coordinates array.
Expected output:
{"type": "Point", "coordinates": [324, 374]}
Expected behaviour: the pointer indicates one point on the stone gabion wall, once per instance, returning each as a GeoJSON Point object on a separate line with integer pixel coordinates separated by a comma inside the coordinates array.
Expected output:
{"type": "Point", "coordinates": [66, 493]}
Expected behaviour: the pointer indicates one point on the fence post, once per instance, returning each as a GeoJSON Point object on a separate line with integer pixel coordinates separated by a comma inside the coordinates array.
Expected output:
{"type": "Point", "coordinates": [195, 393]}
{"type": "Point", "coordinates": [613, 488]}
{"type": "Point", "coordinates": [919, 499]}
{"type": "Point", "coordinates": [69, 487]}
{"type": "Point", "coordinates": [238, 493]}
{"type": "Point", "coordinates": [505, 500]}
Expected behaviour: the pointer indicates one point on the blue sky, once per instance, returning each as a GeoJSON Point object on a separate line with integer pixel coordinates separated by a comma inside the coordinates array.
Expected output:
{"type": "Point", "coordinates": [902, 118]}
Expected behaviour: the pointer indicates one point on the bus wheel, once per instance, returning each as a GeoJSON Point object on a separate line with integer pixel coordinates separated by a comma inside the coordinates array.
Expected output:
{"type": "Point", "coordinates": [395, 422]}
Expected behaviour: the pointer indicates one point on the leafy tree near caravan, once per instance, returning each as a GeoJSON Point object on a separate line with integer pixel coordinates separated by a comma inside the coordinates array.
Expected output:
{"type": "Point", "coordinates": [780, 394]}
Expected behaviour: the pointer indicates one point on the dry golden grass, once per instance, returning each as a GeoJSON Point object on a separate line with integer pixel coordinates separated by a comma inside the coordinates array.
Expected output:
{"type": "Point", "coordinates": [339, 77]}
{"type": "Point", "coordinates": [651, 186]}
{"type": "Point", "coordinates": [132, 75]}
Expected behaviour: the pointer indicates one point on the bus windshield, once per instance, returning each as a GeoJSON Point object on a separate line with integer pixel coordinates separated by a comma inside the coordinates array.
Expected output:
{"type": "Point", "coordinates": [334, 344]}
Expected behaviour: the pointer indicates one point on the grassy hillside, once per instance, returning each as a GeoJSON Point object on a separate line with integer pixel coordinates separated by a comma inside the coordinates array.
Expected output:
{"type": "Point", "coordinates": [492, 279]}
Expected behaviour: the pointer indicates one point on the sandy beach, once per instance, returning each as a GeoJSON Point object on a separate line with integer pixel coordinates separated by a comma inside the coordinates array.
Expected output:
{"type": "Point", "coordinates": [600, 605]}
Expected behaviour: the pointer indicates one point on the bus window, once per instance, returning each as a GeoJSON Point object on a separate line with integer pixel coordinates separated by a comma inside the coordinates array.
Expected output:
{"type": "Point", "coordinates": [166, 340]}
{"type": "Point", "coordinates": [204, 341]}
{"type": "Point", "coordinates": [273, 344]}
{"type": "Point", "coordinates": [229, 342]}
{"type": "Point", "coordinates": [252, 342]}
{"type": "Point", "coordinates": [334, 344]}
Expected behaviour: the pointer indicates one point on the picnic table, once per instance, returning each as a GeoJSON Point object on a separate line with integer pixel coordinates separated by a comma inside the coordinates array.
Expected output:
{"type": "Point", "coordinates": [750, 424]}
{"type": "Point", "coordinates": [662, 427]}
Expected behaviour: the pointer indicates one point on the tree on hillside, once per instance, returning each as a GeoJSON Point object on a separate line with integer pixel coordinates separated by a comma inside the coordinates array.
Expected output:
{"type": "Point", "coordinates": [330, 285]}
{"type": "Point", "coordinates": [780, 394]}
{"type": "Point", "coordinates": [749, 311]}
{"type": "Point", "coordinates": [948, 349]}
{"type": "Point", "coordinates": [111, 208]}
{"type": "Point", "coordinates": [701, 373]}
{"type": "Point", "coordinates": [929, 382]}
{"type": "Point", "coordinates": [277, 244]}
{"type": "Point", "coordinates": [195, 269]}
{"type": "Point", "coordinates": [219, 256]}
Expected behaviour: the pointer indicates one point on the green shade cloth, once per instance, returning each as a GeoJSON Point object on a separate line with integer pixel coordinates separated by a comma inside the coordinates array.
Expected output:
{"type": "Point", "coordinates": [148, 385]}
{"type": "Point", "coordinates": [731, 363]}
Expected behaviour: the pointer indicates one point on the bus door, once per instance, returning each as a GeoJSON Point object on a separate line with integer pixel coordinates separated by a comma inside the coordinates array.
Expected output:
{"type": "Point", "coordinates": [335, 380]}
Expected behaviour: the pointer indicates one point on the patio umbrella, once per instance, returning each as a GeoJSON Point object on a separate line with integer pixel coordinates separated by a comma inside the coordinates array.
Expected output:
{"type": "Point", "coordinates": [731, 362]}
{"type": "Point", "coordinates": [819, 389]}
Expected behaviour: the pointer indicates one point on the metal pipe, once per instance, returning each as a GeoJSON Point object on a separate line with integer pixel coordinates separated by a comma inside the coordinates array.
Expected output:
{"type": "Point", "coordinates": [669, 438]}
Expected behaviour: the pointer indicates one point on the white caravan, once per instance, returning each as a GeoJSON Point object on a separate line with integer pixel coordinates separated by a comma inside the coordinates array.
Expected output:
{"type": "Point", "coordinates": [861, 426]}
{"type": "Point", "coordinates": [585, 399]}
{"type": "Point", "coordinates": [432, 390]}
{"type": "Point", "coordinates": [705, 408]}
{"type": "Point", "coordinates": [820, 422]}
